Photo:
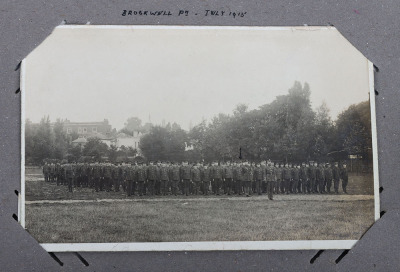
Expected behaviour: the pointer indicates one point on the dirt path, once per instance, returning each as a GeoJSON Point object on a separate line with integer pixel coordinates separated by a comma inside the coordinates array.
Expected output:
{"type": "Point", "coordinates": [324, 198]}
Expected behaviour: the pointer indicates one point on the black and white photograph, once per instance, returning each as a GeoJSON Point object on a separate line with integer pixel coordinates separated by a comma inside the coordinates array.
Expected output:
{"type": "Point", "coordinates": [197, 138]}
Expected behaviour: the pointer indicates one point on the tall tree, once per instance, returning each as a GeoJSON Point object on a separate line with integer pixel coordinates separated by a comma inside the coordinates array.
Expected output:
{"type": "Point", "coordinates": [161, 144]}
{"type": "Point", "coordinates": [61, 142]}
{"type": "Point", "coordinates": [44, 141]}
{"type": "Point", "coordinates": [323, 133]}
{"type": "Point", "coordinates": [175, 127]}
{"type": "Point", "coordinates": [133, 124]}
{"type": "Point", "coordinates": [354, 130]}
{"type": "Point", "coordinates": [113, 153]}
{"type": "Point", "coordinates": [30, 142]}
{"type": "Point", "coordinates": [74, 153]}
{"type": "Point", "coordinates": [95, 148]}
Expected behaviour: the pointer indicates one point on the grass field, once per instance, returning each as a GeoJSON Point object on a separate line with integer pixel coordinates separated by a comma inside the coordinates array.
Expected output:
{"type": "Point", "coordinates": [177, 220]}
{"type": "Point", "coordinates": [55, 216]}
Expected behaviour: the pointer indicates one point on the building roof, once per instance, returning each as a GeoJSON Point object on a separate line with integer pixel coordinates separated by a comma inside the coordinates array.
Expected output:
{"type": "Point", "coordinates": [123, 135]}
{"type": "Point", "coordinates": [80, 140]}
{"type": "Point", "coordinates": [99, 135]}
{"type": "Point", "coordinates": [68, 122]}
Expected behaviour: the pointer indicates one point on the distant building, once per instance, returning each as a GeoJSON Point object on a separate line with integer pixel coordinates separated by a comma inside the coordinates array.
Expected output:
{"type": "Point", "coordinates": [103, 131]}
{"type": "Point", "coordinates": [79, 142]}
{"type": "Point", "coordinates": [87, 129]}
{"type": "Point", "coordinates": [123, 139]}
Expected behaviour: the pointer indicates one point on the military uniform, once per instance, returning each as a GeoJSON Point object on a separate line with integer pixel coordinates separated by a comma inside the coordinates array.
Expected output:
{"type": "Point", "coordinates": [287, 176]}
{"type": "Point", "coordinates": [312, 177]}
{"type": "Point", "coordinates": [238, 179]}
{"type": "Point", "coordinates": [217, 175]}
{"type": "Point", "coordinates": [328, 178]}
{"type": "Point", "coordinates": [247, 176]}
{"type": "Point", "coordinates": [57, 173]}
{"type": "Point", "coordinates": [295, 179]}
{"type": "Point", "coordinates": [303, 178]}
{"type": "Point", "coordinates": [69, 175]}
{"type": "Point", "coordinates": [52, 172]}
{"type": "Point", "coordinates": [115, 177]}
{"type": "Point", "coordinates": [228, 174]}
{"type": "Point", "coordinates": [264, 181]}
{"type": "Point", "coordinates": [123, 171]}
{"type": "Point", "coordinates": [121, 176]}
{"type": "Point", "coordinates": [85, 176]}
{"type": "Point", "coordinates": [336, 178]}
{"type": "Point", "coordinates": [89, 176]}
{"type": "Point", "coordinates": [252, 178]}
{"type": "Point", "coordinates": [164, 178]}
{"type": "Point", "coordinates": [196, 178]}
{"type": "Point", "coordinates": [46, 172]}
{"type": "Point", "coordinates": [345, 179]}
{"type": "Point", "coordinates": [152, 175]}
{"type": "Point", "coordinates": [259, 176]}
{"type": "Point", "coordinates": [320, 179]}
{"type": "Point", "coordinates": [279, 179]}
{"type": "Point", "coordinates": [175, 178]}
{"type": "Point", "coordinates": [79, 174]}
{"type": "Point", "coordinates": [186, 178]}
{"type": "Point", "coordinates": [270, 177]}
{"type": "Point", "coordinates": [107, 176]}
{"type": "Point", "coordinates": [97, 176]}
{"type": "Point", "coordinates": [130, 177]}
{"type": "Point", "coordinates": [205, 178]}
{"type": "Point", "coordinates": [157, 183]}
{"type": "Point", "coordinates": [61, 175]}
{"type": "Point", "coordinates": [213, 190]}
{"type": "Point", "coordinates": [141, 177]}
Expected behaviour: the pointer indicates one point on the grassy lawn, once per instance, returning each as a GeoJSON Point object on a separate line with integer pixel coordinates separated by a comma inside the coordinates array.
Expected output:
{"type": "Point", "coordinates": [117, 218]}
{"type": "Point", "coordinates": [179, 220]}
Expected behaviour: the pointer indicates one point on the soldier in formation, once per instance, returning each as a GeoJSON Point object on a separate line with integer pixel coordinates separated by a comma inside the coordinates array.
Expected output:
{"type": "Point", "coordinates": [165, 178]}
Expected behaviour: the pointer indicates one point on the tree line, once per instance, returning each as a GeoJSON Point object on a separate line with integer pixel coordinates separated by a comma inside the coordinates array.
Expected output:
{"type": "Point", "coordinates": [47, 141]}
{"type": "Point", "coordinates": [287, 129]}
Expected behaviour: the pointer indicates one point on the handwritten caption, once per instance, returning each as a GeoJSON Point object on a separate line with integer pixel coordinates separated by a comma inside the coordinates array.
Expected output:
{"type": "Point", "coordinates": [206, 13]}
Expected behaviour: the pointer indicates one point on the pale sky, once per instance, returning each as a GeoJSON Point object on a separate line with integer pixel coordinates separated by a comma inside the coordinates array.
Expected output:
{"type": "Point", "coordinates": [185, 74]}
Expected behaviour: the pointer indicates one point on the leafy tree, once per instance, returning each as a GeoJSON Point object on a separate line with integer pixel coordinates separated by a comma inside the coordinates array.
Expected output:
{"type": "Point", "coordinates": [30, 142]}
{"type": "Point", "coordinates": [61, 142]}
{"type": "Point", "coordinates": [131, 151]}
{"type": "Point", "coordinates": [43, 141]}
{"type": "Point", "coordinates": [74, 153]}
{"type": "Point", "coordinates": [240, 109]}
{"type": "Point", "coordinates": [323, 133]}
{"type": "Point", "coordinates": [198, 140]}
{"type": "Point", "coordinates": [133, 124]}
{"type": "Point", "coordinates": [287, 129]}
{"type": "Point", "coordinates": [147, 127]}
{"type": "Point", "coordinates": [73, 136]}
{"type": "Point", "coordinates": [113, 153]}
{"type": "Point", "coordinates": [175, 127]}
{"type": "Point", "coordinates": [161, 144]}
{"type": "Point", "coordinates": [95, 148]}
{"type": "Point", "coordinates": [126, 131]}
{"type": "Point", "coordinates": [354, 130]}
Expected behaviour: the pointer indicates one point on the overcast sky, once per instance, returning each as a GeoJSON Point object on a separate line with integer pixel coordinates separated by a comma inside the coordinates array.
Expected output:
{"type": "Point", "coordinates": [184, 75]}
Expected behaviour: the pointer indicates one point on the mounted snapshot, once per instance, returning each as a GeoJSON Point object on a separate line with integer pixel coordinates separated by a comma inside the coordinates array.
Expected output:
{"type": "Point", "coordinates": [197, 138]}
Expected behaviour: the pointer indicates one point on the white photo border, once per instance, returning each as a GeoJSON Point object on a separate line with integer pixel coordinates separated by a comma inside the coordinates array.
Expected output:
{"type": "Point", "coordinates": [210, 245]}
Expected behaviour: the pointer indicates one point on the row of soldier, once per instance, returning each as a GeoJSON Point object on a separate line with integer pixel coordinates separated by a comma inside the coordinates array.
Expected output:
{"type": "Point", "coordinates": [218, 178]}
